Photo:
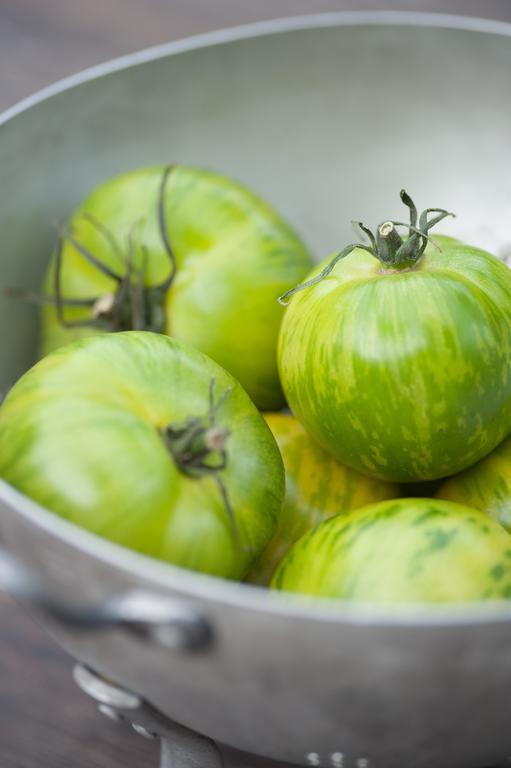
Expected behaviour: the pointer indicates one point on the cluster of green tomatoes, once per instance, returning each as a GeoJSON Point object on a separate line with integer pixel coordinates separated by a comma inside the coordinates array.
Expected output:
{"type": "Point", "coordinates": [352, 444]}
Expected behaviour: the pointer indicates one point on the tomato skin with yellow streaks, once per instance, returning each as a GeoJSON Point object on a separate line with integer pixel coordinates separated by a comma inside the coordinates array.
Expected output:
{"type": "Point", "coordinates": [317, 487]}
{"type": "Point", "coordinates": [84, 434]}
{"type": "Point", "coordinates": [485, 486]}
{"type": "Point", "coordinates": [235, 255]}
{"type": "Point", "coordinates": [403, 375]}
{"type": "Point", "coordinates": [405, 551]}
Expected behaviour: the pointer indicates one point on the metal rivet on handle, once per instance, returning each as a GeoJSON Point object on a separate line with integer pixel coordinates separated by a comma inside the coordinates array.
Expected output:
{"type": "Point", "coordinates": [337, 759]}
{"type": "Point", "coordinates": [167, 622]}
{"type": "Point", "coordinates": [313, 758]}
{"type": "Point", "coordinates": [105, 691]}
{"type": "Point", "coordinates": [142, 731]}
{"type": "Point", "coordinates": [110, 713]}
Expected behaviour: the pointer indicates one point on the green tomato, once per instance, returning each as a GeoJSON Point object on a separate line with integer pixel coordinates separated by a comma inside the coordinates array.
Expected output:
{"type": "Point", "coordinates": [317, 487]}
{"type": "Point", "coordinates": [149, 443]}
{"type": "Point", "coordinates": [402, 369]}
{"type": "Point", "coordinates": [485, 486]}
{"type": "Point", "coordinates": [180, 251]}
{"type": "Point", "coordinates": [402, 551]}
{"type": "Point", "coordinates": [441, 243]}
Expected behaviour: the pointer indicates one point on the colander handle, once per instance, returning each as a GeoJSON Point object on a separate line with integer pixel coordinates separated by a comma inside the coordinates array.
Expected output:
{"type": "Point", "coordinates": [167, 621]}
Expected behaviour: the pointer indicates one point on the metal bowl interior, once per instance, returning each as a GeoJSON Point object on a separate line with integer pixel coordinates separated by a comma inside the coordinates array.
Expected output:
{"type": "Point", "coordinates": [327, 117]}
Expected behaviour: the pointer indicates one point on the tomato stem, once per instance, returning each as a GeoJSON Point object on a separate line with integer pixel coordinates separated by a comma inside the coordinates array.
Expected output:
{"type": "Point", "coordinates": [393, 251]}
{"type": "Point", "coordinates": [198, 447]}
{"type": "Point", "coordinates": [388, 242]}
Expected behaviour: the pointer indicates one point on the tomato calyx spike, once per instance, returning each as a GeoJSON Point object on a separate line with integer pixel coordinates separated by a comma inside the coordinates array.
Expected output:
{"type": "Point", "coordinates": [407, 200]}
{"type": "Point", "coordinates": [67, 234]}
{"type": "Point", "coordinates": [394, 252]}
{"type": "Point", "coordinates": [284, 299]}
{"type": "Point", "coordinates": [106, 234]}
{"type": "Point", "coordinates": [164, 234]}
{"type": "Point", "coordinates": [198, 447]}
{"type": "Point", "coordinates": [34, 297]}
{"type": "Point", "coordinates": [367, 232]}
{"type": "Point", "coordinates": [59, 301]}
{"type": "Point", "coordinates": [130, 305]}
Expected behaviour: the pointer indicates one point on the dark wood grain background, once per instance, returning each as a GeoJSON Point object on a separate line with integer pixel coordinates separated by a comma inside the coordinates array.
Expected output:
{"type": "Point", "coordinates": [45, 722]}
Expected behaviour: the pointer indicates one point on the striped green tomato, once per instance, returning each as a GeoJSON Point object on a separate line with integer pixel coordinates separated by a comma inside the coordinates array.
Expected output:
{"type": "Point", "coordinates": [181, 251]}
{"type": "Point", "coordinates": [317, 487]}
{"type": "Point", "coordinates": [402, 368]}
{"type": "Point", "coordinates": [147, 442]}
{"type": "Point", "coordinates": [441, 242]}
{"type": "Point", "coordinates": [485, 486]}
{"type": "Point", "coordinates": [402, 551]}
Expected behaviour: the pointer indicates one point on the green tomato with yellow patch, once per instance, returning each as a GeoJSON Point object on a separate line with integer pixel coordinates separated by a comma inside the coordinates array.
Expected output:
{"type": "Point", "coordinates": [317, 487]}
{"type": "Point", "coordinates": [406, 551]}
{"type": "Point", "coordinates": [485, 486]}
{"type": "Point", "coordinates": [181, 251]}
{"type": "Point", "coordinates": [147, 442]}
{"type": "Point", "coordinates": [396, 358]}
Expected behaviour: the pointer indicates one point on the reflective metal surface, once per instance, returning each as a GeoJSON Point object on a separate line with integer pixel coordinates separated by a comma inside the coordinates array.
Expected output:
{"type": "Point", "coordinates": [328, 118]}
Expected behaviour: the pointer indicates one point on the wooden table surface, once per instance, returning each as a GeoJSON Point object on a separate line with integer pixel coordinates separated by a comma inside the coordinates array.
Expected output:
{"type": "Point", "coordinates": [45, 722]}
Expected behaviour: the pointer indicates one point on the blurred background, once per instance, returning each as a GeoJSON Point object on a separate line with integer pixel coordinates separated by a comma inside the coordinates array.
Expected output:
{"type": "Point", "coordinates": [45, 722]}
{"type": "Point", "coordinates": [44, 40]}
